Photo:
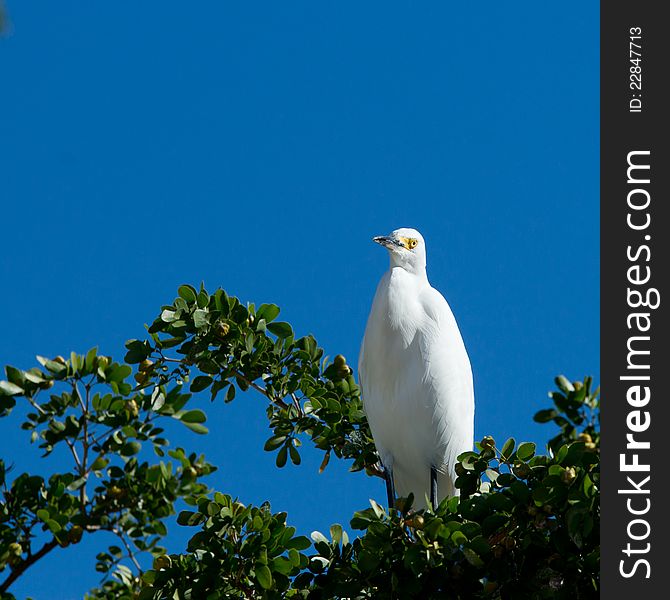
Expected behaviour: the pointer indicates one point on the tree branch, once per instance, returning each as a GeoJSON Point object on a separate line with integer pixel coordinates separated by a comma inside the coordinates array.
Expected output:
{"type": "Point", "coordinates": [85, 444]}
{"type": "Point", "coordinates": [278, 401]}
{"type": "Point", "coordinates": [19, 569]}
{"type": "Point", "coordinates": [36, 406]}
{"type": "Point", "coordinates": [72, 448]}
{"type": "Point", "coordinates": [131, 554]}
{"type": "Point", "coordinates": [296, 403]}
{"type": "Point", "coordinates": [258, 388]}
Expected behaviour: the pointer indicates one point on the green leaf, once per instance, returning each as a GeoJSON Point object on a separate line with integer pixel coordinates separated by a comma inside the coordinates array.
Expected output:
{"type": "Point", "coordinates": [51, 365]}
{"type": "Point", "coordinates": [317, 537]}
{"type": "Point", "coordinates": [458, 537]}
{"type": "Point", "coordinates": [168, 315]}
{"type": "Point", "coordinates": [157, 399]}
{"type": "Point", "coordinates": [57, 426]}
{"type": "Point", "coordinates": [43, 515]}
{"type": "Point", "coordinates": [294, 557]}
{"type": "Point", "coordinates": [90, 358]}
{"type": "Point", "coordinates": [201, 382]}
{"type": "Point", "coordinates": [200, 318]}
{"type": "Point", "coordinates": [99, 463]}
{"type": "Point", "coordinates": [480, 545]}
{"type": "Point", "coordinates": [15, 375]}
{"type": "Point", "coordinates": [190, 518]}
{"type": "Point", "coordinates": [282, 455]}
{"type": "Point", "coordinates": [336, 532]}
{"type": "Point", "coordinates": [10, 389]}
{"type": "Point", "coordinates": [505, 479]}
{"type": "Point", "coordinates": [269, 312]}
{"type": "Point", "coordinates": [525, 450]}
{"type": "Point", "coordinates": [544, 416]}
{"type": "Point", "coordinates": [54, 526]}
{"type": "Point", "coordinates": [493, 523]}
{"type": "Point", "coordinates": [564, 384]}
{"type": "Point", "coordinates": [203, 299]}
{"type": "Point", "coordinates": [119, 373]}
{"type": "Point", "coordinates": [378, 510]}
{"type": "Point", "coordinates": [473, 558]}
{"type": "Point", "coordinates": [148, 577]}
{"type": "Point", "coordinates": [492, 474]}
{"type": "Point", "coordinates": [299, 543]}
{"type": "Point", "coordinates": [579, 523]}
{"type": "Point", "coordinates": [130, 448]}
{"type": "Point", "coordinates": [33, 377]}
{"type": "Point", "coordinates": [196, 427]}
{"type": "Point", "coordinates": [264, 576]}
{"type": "Point", "coordinates": [188, 293]}
{"type": "Point", "coordinates": [137, 351]}
{"type": "Point", "coordinates": [295, 455]}
{"type": "Point", "coordinates": [209, 366]}
{"type": "Point", "coordinates": [77, 483]}
{"type": "Point", "coordinates": [508, 448]}
{"type": "Point", "coordinates": [282, 565]}
{"type": "Point", "coordinates": [281, 329]}
{"type": "Point", "coordinates": [467, 457]}
{"type": "Point", "coordinates": [360, 520]}
{"type": "Point", "coordinates": [193, 416]}
{"type": "Point", "coordinates": [274, 442]}
{"type": "Point", "coordinates": [171, 342]}
{"type": "Point", "coordinates": [573, 454]}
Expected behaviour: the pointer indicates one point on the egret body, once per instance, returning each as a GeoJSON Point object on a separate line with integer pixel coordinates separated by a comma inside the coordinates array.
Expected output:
{"type": "Point", "coordinates": [415, 377]}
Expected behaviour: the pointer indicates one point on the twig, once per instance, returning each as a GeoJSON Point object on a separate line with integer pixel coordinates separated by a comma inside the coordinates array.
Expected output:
{"type": "Point", "coordinates": [35, 405]}
{"type": "Point", "coordinates": [250, 383]}
{"type": "Point", "coordinates": [97, 441]}
{"type": "Point", "coordinates": [131, 554]}
{"type": "Point", "coordinates": [296, 403]}
{"type": "Point", "coordinates": [235, 372]}
{"type": "Point", "coordinates": [278, 401]}
{"type": "Point", "coordinates": [72, 448]}
{"type": "Point", "coordinates": [258, 388]}
{"type": "Point", "coordinates": [75, 389]}
{"type": "Point", "coordinates": [85, 443]}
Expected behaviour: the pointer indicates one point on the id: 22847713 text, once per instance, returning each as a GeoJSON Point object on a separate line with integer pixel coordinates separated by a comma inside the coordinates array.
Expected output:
{"type": "Point", "coordinates": [635, 77]}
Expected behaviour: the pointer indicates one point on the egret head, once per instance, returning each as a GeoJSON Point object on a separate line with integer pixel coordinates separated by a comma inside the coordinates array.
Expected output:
{"type": "Point", "coordinates": [406, 249]}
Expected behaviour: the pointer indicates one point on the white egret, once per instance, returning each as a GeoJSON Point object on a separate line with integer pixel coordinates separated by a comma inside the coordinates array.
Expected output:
{"type": "Point", "coordinates": [415, 377]}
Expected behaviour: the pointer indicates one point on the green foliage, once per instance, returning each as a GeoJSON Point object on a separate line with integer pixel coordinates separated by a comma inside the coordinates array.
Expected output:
{"type": "Point", "coordinates": [86, 406]}
{"type": "Point", "coordinates": [236, 347]}
{"type": "Point", "coordinates": [526, 524]}
{"type": "Point", "coordinates": [239, 550]}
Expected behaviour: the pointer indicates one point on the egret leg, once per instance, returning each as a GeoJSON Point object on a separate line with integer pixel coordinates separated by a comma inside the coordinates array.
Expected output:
{"type": "Point", "coordinates": [433, 487]}
{"type": "Point", "coordinates": [390, 487]}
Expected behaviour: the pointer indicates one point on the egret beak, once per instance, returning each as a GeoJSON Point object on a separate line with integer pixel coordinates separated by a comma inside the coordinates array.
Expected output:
{"type": "Point", "coordinates": [386, 241]}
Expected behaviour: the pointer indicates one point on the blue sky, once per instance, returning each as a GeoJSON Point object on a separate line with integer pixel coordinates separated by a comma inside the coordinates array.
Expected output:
{"type": "Point", "coordinates": [259, 147]}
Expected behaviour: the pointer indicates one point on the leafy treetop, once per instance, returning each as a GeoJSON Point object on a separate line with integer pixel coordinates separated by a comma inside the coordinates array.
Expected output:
{"type": "Point", "coordinates": [525, 526]}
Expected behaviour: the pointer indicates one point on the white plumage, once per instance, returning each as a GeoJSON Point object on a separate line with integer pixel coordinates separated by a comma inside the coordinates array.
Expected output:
{"type": "Point", "coordinates": [415, 375]}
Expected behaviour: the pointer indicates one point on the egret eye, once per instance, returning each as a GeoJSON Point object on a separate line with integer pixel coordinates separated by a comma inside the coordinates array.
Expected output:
{"type": "Point", "coordinates": [411, 243]}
